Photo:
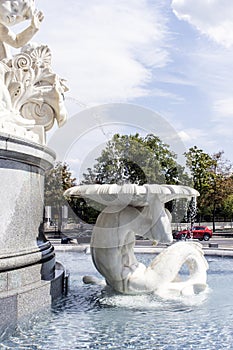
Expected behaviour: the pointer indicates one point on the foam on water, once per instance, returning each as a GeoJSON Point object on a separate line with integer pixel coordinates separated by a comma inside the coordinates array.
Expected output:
{"type": "Point", "coordinates": [152, 301]}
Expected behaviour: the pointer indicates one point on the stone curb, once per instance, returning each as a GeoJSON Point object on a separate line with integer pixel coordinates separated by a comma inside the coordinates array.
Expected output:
{"type": "Point", "coordinates": [85, 248]}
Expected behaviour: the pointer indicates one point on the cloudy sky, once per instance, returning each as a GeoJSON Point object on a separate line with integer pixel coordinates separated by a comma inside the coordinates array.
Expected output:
{"type": "Point", "coordinates": [174, 57]}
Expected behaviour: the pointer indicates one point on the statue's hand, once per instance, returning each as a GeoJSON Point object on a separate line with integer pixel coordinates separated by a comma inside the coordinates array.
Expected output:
{"type": "Point", "coordinates": [37, 19]}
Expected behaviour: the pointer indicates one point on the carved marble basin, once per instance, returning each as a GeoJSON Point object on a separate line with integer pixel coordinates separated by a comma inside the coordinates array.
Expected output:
{"type": "Point", "coordinates": [130, 194]}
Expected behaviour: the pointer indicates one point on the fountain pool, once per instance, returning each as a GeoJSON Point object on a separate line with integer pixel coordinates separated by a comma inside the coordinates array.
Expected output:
{"type": "Point", "coordinates": [89, 318]}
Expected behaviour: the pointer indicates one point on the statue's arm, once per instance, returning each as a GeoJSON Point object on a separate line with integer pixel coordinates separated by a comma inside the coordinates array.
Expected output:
{"type": "Point", "coordinates": [21, 39]}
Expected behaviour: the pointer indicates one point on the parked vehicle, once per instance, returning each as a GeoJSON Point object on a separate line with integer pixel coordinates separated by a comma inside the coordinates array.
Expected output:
{"type": "Point", "coordinates": [197, 232]}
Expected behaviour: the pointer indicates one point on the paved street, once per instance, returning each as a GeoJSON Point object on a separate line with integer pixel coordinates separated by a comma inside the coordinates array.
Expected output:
{"type": "Point", "coordinates": [222, 242]}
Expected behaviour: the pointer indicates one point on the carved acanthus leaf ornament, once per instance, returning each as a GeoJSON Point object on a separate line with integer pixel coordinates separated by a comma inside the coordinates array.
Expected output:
{"type": "Point", "coordinates": [32, 94]}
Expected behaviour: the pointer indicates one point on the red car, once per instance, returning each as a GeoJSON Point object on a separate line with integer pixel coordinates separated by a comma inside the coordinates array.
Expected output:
{"type": "Point", "coordinates": [197, 232]}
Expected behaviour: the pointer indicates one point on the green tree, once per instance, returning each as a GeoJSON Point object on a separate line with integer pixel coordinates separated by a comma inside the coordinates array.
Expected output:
{"type": "Point", "coordinates": [211, 175]}
{"type": "Point", "coordinates": [220, 184]}
{"type": "Point", "coordinates": [86, 210]}
{"type": "Point", "coordinates": [200, 164]}
{"type": "Point", "coordinates": [57, 180]}
{"type": "Point", "coordinates": [228, 207]}
{"type": "Point", "coordinates": [135, 159]}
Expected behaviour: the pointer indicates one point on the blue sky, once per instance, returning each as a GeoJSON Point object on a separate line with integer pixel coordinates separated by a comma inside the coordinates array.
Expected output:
{"type": "Point", "coordinates": [173, 57]}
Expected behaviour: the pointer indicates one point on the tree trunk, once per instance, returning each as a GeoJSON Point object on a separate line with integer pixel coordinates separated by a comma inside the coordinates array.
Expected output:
{"type": "Point", "coordinates": [213, 216]}
{"type": "Point", "coordinates": [59, 221]}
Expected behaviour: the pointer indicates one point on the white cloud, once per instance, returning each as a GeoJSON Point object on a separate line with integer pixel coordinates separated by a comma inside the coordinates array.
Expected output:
{"type": "Point", "coordinates": [207, 140]}
{"type": "Point", "coordinates": [106, 48]}
{"type": "Point", "coordinates": [213, 18]}
{"type": "Point", "coordinates": [191, 135]}
{"type": "Point", "coordinates": [175, 98]}
{"type": "Point", "coordinates": [73, 161]}
{"type": "Point", "coordinates": [223, 131]}
{"type": "Point", "coordinates": [224, 108]}
{"type": "Point", "coordinates": [175, 78]}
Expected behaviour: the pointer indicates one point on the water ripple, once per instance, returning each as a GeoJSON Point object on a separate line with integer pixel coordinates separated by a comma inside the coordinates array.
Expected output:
{"type": "Point", "coordinates": [92, 318]}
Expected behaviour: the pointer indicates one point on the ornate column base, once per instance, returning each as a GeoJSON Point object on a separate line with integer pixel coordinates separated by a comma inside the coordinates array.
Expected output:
{"type": "Point", "coordinates": [30, 279]}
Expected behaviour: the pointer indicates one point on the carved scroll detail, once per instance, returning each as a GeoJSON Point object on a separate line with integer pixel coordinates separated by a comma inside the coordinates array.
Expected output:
{"type": "Point", "coordinates": [33, 93]}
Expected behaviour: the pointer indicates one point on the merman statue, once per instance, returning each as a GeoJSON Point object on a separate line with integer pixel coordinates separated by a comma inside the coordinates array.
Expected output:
{"type": "Point", "coordinates": [132, 210]}
{"type": "Point", "coordinates": [11, 13]}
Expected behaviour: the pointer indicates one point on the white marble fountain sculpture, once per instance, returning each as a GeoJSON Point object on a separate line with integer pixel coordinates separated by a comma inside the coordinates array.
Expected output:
{"type": "Point", "coordinates": [31, 94]}
{"type": "Point", "coordinates": [139, 210]}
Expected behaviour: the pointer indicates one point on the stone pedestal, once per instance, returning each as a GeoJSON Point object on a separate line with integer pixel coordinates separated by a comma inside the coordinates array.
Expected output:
{"type": "Point", "coordinates": [28, 275]}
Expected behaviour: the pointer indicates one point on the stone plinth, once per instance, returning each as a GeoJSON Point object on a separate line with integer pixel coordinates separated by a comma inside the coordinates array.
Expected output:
{"type": "Point", "coordinates": [28, 276]}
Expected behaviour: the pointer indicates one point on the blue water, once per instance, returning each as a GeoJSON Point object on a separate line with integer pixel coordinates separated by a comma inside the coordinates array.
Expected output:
{"type": "Point", "coordinates": [90, 318]}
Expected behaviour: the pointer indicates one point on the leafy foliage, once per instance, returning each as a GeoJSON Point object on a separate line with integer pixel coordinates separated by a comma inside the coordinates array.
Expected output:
{"type": "Point", "coordinates": [212, 178]}
{"type": "Point", "coordinates": [228, 207]}
{"type": "Point", "coordinates": [199, 164]}
{"type": "Point", "coordinates": [135, 159]}
{"type": "Point", "coordinates": [57, 180]}
{"type": "Point", "coordinates": [86, 210]}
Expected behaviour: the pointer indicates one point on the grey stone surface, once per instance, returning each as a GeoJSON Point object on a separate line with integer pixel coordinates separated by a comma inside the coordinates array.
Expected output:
{"type": "Point", "coordinates": [57, 284]}
{"type": "Point", "coordinates": [28, 281]}
{"type": "Point", "coordinates": [19, 304]}
{"type": "Point", "coordinates": [21, 200]}
{"type": "Point", "coordinates": [34, 299]}
{"type": "Point", "coordinates": [22, 168]}
{"type": "Point", "coordinates": [3, 282]}
{"type": "Point", "coordinates": [23, 277]}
